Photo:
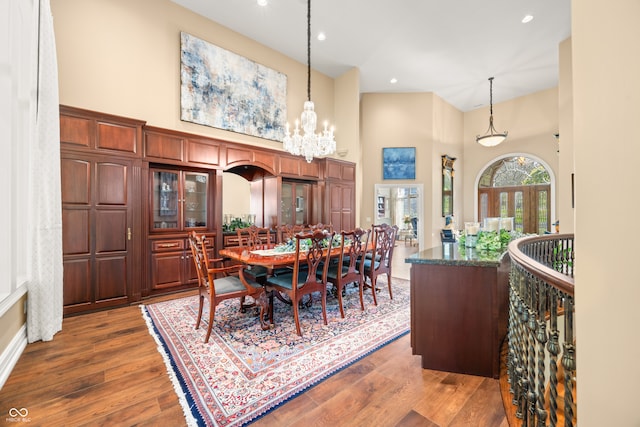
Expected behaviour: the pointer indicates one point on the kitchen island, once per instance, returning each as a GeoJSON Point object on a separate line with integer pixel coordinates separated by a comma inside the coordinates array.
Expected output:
{"type": "Point", "coordinates": [459, 308]}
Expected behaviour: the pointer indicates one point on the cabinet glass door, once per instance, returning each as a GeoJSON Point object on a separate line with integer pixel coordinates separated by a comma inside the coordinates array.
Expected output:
{"type": "Point", "coordinates": [165, 200]}
{"type": "Point", "coordinates": [195, 199]}
{"type": "Point", "coordinates": [286, 208]}
{"type": "Point", "coordinates": [301, 203]}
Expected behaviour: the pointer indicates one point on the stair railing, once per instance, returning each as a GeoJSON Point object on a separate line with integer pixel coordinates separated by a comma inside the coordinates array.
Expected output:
{"type": "Point", "coordinates": [541, 317]}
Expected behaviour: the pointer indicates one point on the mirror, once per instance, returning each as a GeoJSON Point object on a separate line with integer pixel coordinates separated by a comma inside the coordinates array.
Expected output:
{"type": "Point", "coordinates": [447, 185]}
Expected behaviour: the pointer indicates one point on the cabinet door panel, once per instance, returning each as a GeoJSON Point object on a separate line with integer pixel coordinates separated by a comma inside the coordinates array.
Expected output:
{"type": "Point", "coordinates": [117, 137]}
{"type": "Point", "coordinates": [112, 180]}
{"type": "Point", "coordinates": [166, 270]}
{"type": "Point", "coordinates": [111, 278]}
{"type": "Point", "coordinates": [163, 146]}
{"type": "Point", "coordinates": [75, 181]}
{"type": "Point", "coordinates": [201, 152]}
{"type": "Point", "coordinates": [111, 231]}
{"type": "Point", "coordinates": [76, 282]}
{"type": "Point", "coordinates": [75, 235]}
{"type": "Point", "coordinates": [75, 131]}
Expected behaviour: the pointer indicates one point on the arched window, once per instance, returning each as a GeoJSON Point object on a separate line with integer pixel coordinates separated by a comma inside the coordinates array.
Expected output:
{"type": "Point", "coordinates": [517, 187]}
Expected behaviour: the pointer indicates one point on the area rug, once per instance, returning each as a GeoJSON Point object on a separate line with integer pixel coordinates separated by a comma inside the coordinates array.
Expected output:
{"type": "Point", "coordinates": [243, 372]}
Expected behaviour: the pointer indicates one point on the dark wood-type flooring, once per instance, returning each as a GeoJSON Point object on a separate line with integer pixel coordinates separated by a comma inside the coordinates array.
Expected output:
{"type": "Point", "coordinates": [104, 369]}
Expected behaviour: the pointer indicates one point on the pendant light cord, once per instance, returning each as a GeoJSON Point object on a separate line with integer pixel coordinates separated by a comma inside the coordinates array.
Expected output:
{"type": "Point", "coordinates": [308, 50]}
{"type": "Point", "coordinates": [491, 96]}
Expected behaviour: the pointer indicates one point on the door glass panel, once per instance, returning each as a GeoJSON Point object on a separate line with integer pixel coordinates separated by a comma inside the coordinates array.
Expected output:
{"type": "Point", "coordinates": [165, 199]}
{"type": "Point", "coordinates": [543, 212]}
{"type": "Point", "coordinates": [519, 211]}
{"type": "Point", "coordinates": [301, 204]}
{"type": "Point", "coordinates": [504, 204]}
{"type": "Point", "coordinates": [286, 204]}
{"type": "Point", "coordinates": [195, 199]}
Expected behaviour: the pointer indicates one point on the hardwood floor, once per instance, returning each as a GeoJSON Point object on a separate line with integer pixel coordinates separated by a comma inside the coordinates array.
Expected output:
{"type": "Point", "coordinates": [104, 369]}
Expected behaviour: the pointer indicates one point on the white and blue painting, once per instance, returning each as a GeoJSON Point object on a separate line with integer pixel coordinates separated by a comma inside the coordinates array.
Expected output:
{"type": "Point", "coordinates": [227, 91]}
{"type": "Point", "coordinates": [399, 163]}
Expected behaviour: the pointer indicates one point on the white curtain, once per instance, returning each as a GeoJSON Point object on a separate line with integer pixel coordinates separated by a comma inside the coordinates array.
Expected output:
{"type": "Point", "coordinates": [44, 314]}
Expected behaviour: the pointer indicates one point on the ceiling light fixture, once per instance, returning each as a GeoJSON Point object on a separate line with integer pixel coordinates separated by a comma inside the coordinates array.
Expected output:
{"type": "Point", "coordinates": [310, 144]}
{"type": "Point", "coordinates": [527, 18]}
{"type": "Point", "coordinates": [492, 137]}
{"type": "Point", "coordinates": [262, 2]}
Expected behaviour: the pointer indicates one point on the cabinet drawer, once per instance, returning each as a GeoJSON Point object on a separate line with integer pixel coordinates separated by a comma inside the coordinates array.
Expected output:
{"type": "Point", "coordinates": [167, 245]}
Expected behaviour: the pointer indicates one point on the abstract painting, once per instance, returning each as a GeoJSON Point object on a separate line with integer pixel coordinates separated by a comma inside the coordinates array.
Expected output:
{"type": "Point", "coordinates": [227, 91]}
{"type": "Point", "coordinates": [399, 163]}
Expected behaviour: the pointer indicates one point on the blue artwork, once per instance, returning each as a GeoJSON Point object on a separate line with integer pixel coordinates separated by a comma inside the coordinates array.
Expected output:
{"type": "Point", "coordinates": [399, 163]}
{"type": "Point", "coordinates": [227, 91]}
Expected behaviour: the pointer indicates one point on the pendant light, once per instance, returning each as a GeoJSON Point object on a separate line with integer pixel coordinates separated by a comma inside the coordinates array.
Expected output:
{"type": "Point", "coordinates": [309, 144]}
{"type": "Point", "coordinates": [492, 137]}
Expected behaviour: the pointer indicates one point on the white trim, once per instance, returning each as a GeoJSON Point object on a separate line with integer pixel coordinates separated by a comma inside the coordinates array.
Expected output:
{"type": "Point", "coordinates": [8, 300]}
{"type": "Point", "coordinates": [548, 168]}
{"type": "Point", "coordinates": [11, 354]}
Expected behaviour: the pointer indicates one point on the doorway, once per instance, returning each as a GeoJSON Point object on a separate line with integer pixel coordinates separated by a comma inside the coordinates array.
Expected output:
{"type": "Point", "coordinates": [401, 205]}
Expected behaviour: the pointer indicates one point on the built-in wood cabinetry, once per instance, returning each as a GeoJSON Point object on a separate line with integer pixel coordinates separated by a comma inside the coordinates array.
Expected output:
{"type": "Point", "coordinates": [100, 182]}
{"type": "Point", "coordinates": [340, 198]}
{"type": "Point", "coordinates": [131, 193]}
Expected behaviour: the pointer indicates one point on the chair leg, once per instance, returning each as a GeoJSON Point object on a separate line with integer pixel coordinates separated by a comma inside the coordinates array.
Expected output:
{"type": "Point", "coordinates": [201, 303]}
{"type": "Point", "coordinates": [339, 290]}
{"type": "Point", "coordinates": [212, 313]}
{"type": "Point", "coordinates": [295, 317]}
{"type": "Point", "coordinates": [389, 284]}
{"type": "Point", "coordinates": [324, 304]}
{"type": "Point", "coordinates": [374, 279]}
{"type": "Point", "coordinates": [361, 289]}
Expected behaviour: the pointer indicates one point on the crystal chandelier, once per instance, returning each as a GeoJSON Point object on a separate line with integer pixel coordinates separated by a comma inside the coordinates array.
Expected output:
{"type": "Point", "coordinates": [492, 137]}
{"type": "Point", "coordinates": [309, 144]}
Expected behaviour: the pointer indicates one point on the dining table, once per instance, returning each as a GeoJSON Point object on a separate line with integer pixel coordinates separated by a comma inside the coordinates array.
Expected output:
{"type": "Point", "coordinates": [272, 258]}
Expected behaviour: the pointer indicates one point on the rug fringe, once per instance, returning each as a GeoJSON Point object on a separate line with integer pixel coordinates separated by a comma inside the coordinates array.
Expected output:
{"type": "Point", "coordinates": [182, 398]}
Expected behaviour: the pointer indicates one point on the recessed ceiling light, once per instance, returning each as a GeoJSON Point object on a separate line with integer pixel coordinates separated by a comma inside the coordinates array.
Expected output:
{"type": "Point", "coordinates": [393, 81]}
{"type": "Point", "coordinates": [262, 2]}
{"type": "Point", "coordinates": [527, 18]}
{"type": "Point", "coordinates": [322, 36]}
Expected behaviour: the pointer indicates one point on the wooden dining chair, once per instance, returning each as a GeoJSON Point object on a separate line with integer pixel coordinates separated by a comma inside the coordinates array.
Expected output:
{"type": "Point", "coordinates": [353, 247]}
{"type": "Point", "coordinates": [217, 284]}
{"type": "Point", "coordinates": [379, 260]}
{"type": "Point", "coordinates": [287, 232]}
{"type": "Point", "coordinates": [303, 279]}
{"type": "Point", "coordinates": [252, 238]}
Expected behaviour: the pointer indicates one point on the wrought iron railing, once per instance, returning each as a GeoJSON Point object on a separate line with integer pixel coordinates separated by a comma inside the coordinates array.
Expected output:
{"type": "Point", "coordinates": [541, 320]}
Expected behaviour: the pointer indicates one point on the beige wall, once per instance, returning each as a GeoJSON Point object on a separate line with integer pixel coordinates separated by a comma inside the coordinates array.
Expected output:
{"type": "Point", "coordinates": [531, 122]}
{"type": "Point", "coordinates": [565, 144]}
{"type": "Point", "coordinates": [606, 107]}
{"type": "Point", "coordinates": [436, 128]}
{"type": "Point", "coordinates": [123, 57]}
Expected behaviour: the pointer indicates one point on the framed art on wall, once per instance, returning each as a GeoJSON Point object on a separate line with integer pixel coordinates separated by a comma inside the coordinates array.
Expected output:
{"type": "Point", "coordinates": [399, 163]}
{"type": "Point", "coordinates": [221, 89]}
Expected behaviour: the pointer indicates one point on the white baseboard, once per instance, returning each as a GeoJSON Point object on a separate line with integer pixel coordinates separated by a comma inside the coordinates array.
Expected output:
{"type": "Point", "coordinates": [11, 354]}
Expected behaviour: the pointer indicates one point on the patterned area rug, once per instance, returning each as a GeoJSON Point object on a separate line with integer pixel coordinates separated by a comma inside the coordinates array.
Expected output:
{"type": "Point", "coordinates": [245, 372]}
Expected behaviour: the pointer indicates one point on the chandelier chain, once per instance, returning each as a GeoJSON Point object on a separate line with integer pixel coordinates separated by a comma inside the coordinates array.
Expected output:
{"type": "Point", "coordinates": [308, 50]}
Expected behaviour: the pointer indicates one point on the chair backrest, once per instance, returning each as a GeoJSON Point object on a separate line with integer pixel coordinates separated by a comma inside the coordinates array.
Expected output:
{"type": "Point", "coordinates": [287, 232]}
{"type": "Point", "coordinates": [321, 226]}
{"type": "Point", "coordinates": [414, 226]}
{"type": "Point", "coordinates": [199, 254]}
{"type": "Point", "coordinates": [384, 241]}
{"type": "Point", "coordinates": [313, 251]}
{"type": "Point", "coordinates": [253, 237]}
{"type": "Point", "coordinates": [353, 249]}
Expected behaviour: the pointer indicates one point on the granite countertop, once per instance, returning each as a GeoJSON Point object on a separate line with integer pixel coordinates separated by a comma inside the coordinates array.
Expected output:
{"type": "Point", "coordinates": [453, 254]}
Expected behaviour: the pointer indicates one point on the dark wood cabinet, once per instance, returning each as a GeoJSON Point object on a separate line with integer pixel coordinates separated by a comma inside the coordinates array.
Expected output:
{"type": "Point", "coordinates": [459, 312]}
{"type": "Point", "coordinates": [339, 201]}
{"type": "Point", "coordinates": [131, 193]}
{"type": "Point", "coordinates": [172, 266]}
{"type": "Point", "coordinates": [100, 185]}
